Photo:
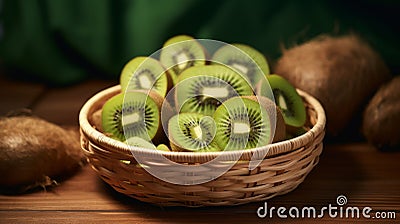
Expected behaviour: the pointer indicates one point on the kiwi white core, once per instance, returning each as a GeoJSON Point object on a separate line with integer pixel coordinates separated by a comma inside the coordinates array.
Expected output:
{"type": "Point", "coordinates": [241, 128]}
{"type": "Point", "coordinates": [241, 68]}
{"type": "Point", "coordinates": [182, 60]}
{"type": "Point", "coordinates": [197, 133]}
{"type": "Point", "coordinates": [217, 92]}
{"type": "Point", "coordinates": [145, 81]}
{"type": "Point", "coordinates": [282, 102]}
{"type": "Point", "coordinates": [131, 118]}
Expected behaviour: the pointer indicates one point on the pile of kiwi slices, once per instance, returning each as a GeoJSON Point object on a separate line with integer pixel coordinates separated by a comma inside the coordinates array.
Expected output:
{"type": "Point", "coordinates": [197, 98]}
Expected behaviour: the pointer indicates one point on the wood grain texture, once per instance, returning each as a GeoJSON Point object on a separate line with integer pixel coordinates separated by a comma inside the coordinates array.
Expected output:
{"type": "Point", "coordinates": [17, 95]}
{"type": "Point", "coordinates": [364, 175]}
{"type": "Point", "coordinates": [62, 105]}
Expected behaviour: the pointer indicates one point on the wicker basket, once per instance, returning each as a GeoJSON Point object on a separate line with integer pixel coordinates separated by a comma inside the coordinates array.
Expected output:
{"type": "Point", "coordinates": [284, 167]}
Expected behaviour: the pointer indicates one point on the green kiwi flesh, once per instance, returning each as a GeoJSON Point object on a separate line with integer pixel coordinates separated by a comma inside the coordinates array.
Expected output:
{"type": "Point", "coordinates": [144, 73]}
{"type": "Point", "coordinates": [131, 114]}
{"type": "Point", "coordinates": [163, 147]}
{"type": "Point", "coordinates": [181, 52]}
{"type": "Point", "coordinates": [139, 142]}
{"type": "Point", "coordinates": [242, 124]}
{"type": "Point", "coordinates": [202, 89]}
{"type": "Point", "coordinates": [288, 100]}
{"type": "Point", "coordinates": [243, 59]}
{"type": "Point", "coordinates": [273, 110]}
{"type": "Point", "coordinates": [192, 132]}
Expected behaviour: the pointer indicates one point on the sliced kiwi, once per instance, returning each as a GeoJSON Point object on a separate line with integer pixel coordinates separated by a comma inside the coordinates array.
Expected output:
{"type": "Point", "coordinates": [139, 142]}
{"type": "Point", "coordinates": [288, 100]}
{"type": "Point", "coordinates": [275, 115]}
{"type": "Point", "coordinates": [192, 132]}
{"type": "Point", "coordinates": [242, 123]}
{"type": "Point", "coordinates": [181, 52]}
{"type": "Point", "coordinates": [144, 73]}
{"type": "Point", "coordinates": [244, 59]}
{"type": "Point", "coordinates": [131, 114]}
{"type": "Point", "coordinates": [163, 147]}
{"type": "Point", "coordinates": [293, 132]}
{"type": "Point", "coordinates": [202, 89]}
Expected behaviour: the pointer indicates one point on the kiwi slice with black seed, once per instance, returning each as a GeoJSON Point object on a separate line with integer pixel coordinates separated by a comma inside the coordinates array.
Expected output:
{"type": "Point", "coordinates": [275, 115]}
{"type": "Point", "coordinates": [202, 89]}
{"type": "Point", "coordinates": [288, 100]}
{"type": "Point", "coordinates": [144, 73]}
{"type": "Point", "coordinates": [244, 59]}
{"type": "Point", "coordinates": [181, 52]}
{"type": "Point", "coordinates": [131, 114]}
{"type": "Point", "coordinates": [242, 123]}
{"type": "Point", "coordinates": [192, 132]}
{"type": "Point", "coordinates": [139, 142]}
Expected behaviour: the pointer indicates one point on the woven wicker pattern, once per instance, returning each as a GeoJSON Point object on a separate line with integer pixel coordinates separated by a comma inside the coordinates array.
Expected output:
{"type": "Point", "coordinates": [283, 167]}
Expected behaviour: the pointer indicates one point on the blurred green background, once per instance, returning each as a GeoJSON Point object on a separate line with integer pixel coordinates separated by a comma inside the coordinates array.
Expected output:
{"type": "Point", "coordinates": [61, 42]}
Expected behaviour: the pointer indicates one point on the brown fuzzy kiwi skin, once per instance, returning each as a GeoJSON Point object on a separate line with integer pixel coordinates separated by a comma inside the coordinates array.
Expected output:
{"type": "Point", "coordinates": [342, 72]}
{"type": "Point", "coordinates": [33, 150]}
{"type": "Point", "coordinates": [95, 120]}
{"type": "Point", "coordinates": [280, 129]}
{"type": "Point", "coordinates": [381, 117]}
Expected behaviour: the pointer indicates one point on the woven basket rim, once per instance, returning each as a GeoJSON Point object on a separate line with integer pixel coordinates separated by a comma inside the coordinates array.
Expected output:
{"type": "Point", "coordinates": [246, 154]}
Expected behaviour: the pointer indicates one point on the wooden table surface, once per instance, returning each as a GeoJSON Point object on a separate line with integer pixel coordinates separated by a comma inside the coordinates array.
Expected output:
{"type": "Point", "coordinates": [356, 170]}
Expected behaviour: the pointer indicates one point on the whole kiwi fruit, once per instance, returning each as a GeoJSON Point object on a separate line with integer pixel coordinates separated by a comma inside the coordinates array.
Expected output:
{"type": "Point", "coordinates": [34, 151]}
{"type": "Point", "coordinates": [382, 117]}
{"type": "Point", "coordinates": [342, 72]}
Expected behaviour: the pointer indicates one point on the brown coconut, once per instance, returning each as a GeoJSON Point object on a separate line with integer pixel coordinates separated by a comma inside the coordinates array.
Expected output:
{"type": "Point", "coordinates": [342, 72]}
{"type": "Point", "coordinates": [34, 151]}
{"type": "Point", "coordinates": [382, 117]}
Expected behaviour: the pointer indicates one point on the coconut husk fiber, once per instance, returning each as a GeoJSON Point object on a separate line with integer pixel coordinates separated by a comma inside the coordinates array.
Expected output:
{"type": "Point", "coordinates": [342, 72]}
{"type": "Point", "coordinates": [35, 153]}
